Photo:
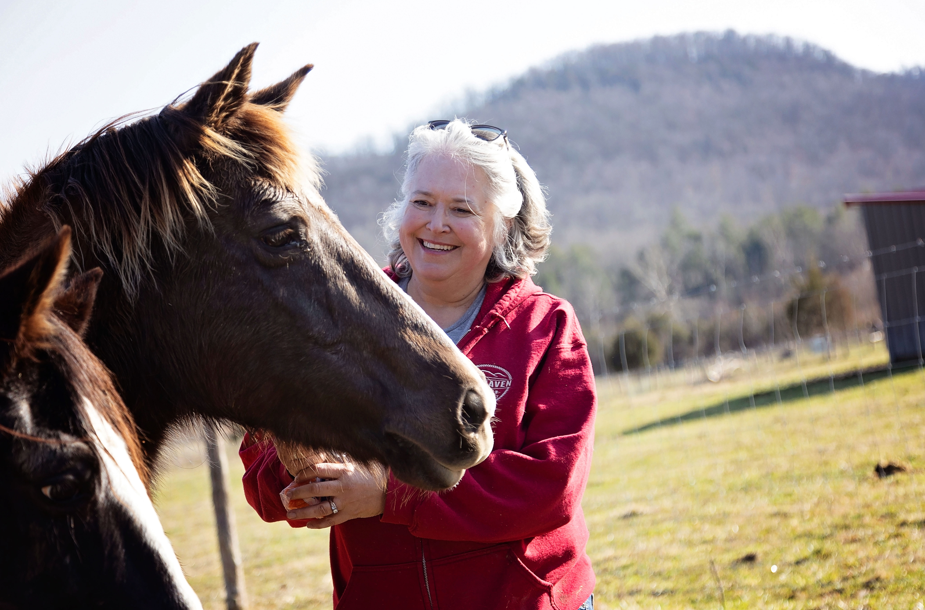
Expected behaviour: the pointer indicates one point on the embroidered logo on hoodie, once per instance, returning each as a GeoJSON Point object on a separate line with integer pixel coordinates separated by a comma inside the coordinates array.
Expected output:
{"type": "Point", "coordinates": [498, 378]}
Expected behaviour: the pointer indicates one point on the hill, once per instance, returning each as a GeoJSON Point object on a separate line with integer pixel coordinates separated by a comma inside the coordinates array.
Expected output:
{"type": "Point", "coordinates": [711, 124]}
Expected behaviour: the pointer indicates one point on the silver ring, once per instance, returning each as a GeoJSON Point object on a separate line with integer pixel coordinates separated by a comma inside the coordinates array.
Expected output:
{"type": "Point", "coordinates": [333, 507]}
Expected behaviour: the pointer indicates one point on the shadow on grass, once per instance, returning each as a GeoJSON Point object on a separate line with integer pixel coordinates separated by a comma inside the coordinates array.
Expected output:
{"type": "Point", "coordinates": [798, 391]}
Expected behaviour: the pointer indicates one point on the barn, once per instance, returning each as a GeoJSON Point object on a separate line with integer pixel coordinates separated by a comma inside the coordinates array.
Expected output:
{"type": "Point", "coordinates": [895, 224]}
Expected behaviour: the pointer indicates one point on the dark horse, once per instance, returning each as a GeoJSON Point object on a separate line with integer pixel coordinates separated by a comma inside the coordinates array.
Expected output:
{"type": "Point", "coordinates": [231, 291]}
{"type": "Point", "coordinates": [78, 529]}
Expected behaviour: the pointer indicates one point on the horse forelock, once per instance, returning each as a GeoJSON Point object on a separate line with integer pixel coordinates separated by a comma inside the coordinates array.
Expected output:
{"type": "Point", "coordinates": [133, 185]}
{"type": "Point", "coordinates": [263, 132]}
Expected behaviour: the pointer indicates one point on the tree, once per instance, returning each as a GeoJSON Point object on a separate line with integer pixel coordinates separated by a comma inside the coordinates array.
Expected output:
{"type": "Point", "coordinates": [638, 345]}
{"type": "Point", "coordinates": [577, 275]}
{"type": "Point", "coordinates": [676, 264]}
{"type": "Point", "coordinates": [822, 302]}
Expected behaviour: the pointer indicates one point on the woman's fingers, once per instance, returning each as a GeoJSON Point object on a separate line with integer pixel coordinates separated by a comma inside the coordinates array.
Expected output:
{"type": "Point", "coordinates": [306, 476]}
{"type": "Point", "coordinates": [294, 503]}
{"type": "Point", "coordinates": [320, 515]}
{"type": "Point", "coordinates": [315, 490]}
{"type": "Point", "coordinates": [327, 470]}
{"type": "Point", "coordinates": [321, 471]}
{"type": "Point", "coordinates": [356, 491]}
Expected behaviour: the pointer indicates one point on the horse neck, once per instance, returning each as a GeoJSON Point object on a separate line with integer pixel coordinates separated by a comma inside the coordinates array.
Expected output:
{"type": "Point", "coordinates": [120, 337]}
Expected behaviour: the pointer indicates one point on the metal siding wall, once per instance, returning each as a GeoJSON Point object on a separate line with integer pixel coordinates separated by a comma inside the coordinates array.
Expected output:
{"type": "Point", "coordinates": [899, 287]}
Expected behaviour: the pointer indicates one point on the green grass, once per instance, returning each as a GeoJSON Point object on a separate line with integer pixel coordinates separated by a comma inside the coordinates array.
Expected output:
{"type": "Point", "coordinates": [723, 502]}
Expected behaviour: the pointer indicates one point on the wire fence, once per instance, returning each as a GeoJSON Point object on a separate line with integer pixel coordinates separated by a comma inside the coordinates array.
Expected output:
{"type": "Point", "coordinates": [847, 305]}
{"type": "Point", "coordinates": [769, 455]}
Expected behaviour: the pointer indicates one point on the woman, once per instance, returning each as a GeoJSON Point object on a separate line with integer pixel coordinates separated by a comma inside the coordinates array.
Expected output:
{"type": "Point", "coordinates": [465, 238]}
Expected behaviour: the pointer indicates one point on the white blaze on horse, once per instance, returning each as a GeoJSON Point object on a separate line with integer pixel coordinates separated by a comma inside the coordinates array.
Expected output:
{"type": "Point", "coordinates": [77, 526]}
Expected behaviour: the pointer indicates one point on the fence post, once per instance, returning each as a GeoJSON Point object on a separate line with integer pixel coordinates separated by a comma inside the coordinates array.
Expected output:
{"type": "Point", "coordinates": [671, 341]}
{"type": "Point", "coordinates": [626, 370]}
{"type": "Point", "coordinates": [742, 346]}
{"type": "Point", "coordinates": [771, 315]}
{"type": "Point", "coordinates": [825, 327]}
{"type": "Point", "coordinates": [235, 595]}
{"type": "Point", "coordinates": [798, 339]}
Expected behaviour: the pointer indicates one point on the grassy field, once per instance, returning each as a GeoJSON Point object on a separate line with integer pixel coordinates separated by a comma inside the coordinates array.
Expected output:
{"type": "Point", "coordinates": [758, 491]}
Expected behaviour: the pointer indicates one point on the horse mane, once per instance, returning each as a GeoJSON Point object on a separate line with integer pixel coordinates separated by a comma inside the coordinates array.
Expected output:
{"type": "Point", "coordinates": [89, 378]}
{"type": "Point", "coordinates": [46, 326]}
{"type": "Point", "coordinates": [131, 189]}
{"type": "Point", "coordinates": [92, 380]}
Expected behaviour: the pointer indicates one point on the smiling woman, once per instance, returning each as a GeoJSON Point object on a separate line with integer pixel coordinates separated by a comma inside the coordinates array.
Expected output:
{"type": "Point", "coordinates": [446, 234]}
{"type": "Point", "coordinates": [465, 236]}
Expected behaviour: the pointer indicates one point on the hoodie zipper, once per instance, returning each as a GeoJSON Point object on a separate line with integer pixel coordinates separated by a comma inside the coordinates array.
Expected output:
{"type": "Point", "coordinates": [426, 580]}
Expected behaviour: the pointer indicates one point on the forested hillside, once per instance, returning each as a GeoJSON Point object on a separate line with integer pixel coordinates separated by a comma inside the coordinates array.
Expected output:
{"type": "Point", "coordinates": [709, 124]}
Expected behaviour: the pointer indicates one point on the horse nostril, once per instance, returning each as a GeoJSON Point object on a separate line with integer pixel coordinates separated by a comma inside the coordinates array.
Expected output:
{"type": "Point", "coordinates": [473, 412]}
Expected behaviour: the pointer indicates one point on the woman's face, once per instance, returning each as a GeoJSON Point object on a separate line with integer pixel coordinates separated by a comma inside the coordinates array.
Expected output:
{"type": "Point", "coordinates": [447, 229]}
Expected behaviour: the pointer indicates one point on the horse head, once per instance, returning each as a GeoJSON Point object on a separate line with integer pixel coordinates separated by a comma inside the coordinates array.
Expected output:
{"type": "Point", "coordinates": [233, 292]}
{"type": "Point", "coordinates": [78, 526]}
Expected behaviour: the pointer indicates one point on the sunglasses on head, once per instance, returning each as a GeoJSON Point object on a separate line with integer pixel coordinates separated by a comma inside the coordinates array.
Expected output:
{"type": "Point", "coordinates": [489, 133]}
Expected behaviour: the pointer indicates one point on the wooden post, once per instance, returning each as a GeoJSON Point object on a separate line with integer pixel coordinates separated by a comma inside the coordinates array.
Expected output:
{"type": "Point", "coordinates": [235, 594]}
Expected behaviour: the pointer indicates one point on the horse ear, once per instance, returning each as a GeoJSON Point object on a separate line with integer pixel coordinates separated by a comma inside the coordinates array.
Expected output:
{"type": "Point", "coordinates": [220, 97]}
{"type": "Point", "coordinates": [29, 289]}
{"type": "Point", "coordinates": [75, 304]}
{"type": "Point", "coordinates": [279, 95]}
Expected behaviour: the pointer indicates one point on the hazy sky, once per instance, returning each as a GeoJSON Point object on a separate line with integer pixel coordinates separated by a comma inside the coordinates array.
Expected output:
{"type": "Point", "coordinates": [380, 66]}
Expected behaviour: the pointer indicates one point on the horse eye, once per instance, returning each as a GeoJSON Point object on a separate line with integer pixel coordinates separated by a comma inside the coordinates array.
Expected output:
{"type": "Point", "coordinates": [63, 488]}
{"type": "Point", "coordinates": [280, 238]}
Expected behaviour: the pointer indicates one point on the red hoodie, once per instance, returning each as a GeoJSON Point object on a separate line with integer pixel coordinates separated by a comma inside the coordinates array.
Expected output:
{"type": "Point", "coordinates": [512, 533]}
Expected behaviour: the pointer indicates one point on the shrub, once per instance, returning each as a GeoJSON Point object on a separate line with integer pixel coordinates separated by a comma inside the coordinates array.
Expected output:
{"type": "Point", "coordinates": [641, 346]}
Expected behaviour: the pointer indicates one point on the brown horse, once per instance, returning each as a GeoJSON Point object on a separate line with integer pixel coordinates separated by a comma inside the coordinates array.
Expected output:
{"type": "Point", "coordinates": [231, 291]}
{"type": "Point", "coordinates": [78, 528]}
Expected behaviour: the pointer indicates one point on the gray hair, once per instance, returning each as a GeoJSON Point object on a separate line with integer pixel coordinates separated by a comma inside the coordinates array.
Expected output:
{"type": "Point", "coordinates": [521, 221]}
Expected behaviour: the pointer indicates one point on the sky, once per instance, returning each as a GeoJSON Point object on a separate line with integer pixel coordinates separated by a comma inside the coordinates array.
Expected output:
{"type": "Point", "coordinates": [380, 66]}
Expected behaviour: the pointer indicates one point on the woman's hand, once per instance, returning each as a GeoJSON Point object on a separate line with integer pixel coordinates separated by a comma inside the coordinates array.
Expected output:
{"type": "Point", "coordinates": [356, 490]}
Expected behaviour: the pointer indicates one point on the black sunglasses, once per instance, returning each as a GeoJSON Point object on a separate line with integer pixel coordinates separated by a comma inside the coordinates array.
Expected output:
{"type": "Point", "coordinates": [489, 133]}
